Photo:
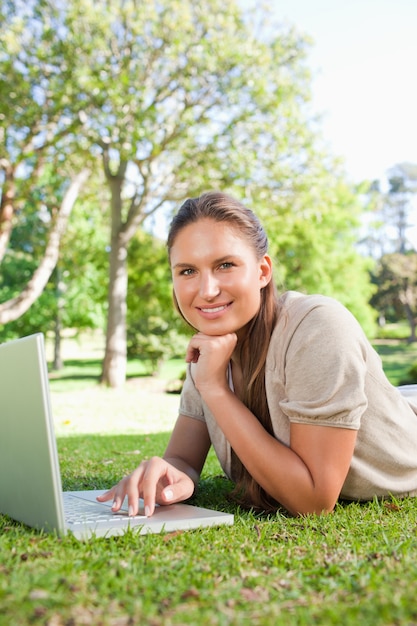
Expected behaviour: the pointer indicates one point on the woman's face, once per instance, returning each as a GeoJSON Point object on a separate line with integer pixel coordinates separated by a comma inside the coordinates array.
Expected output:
{"type": "Point", "coordinates": [216, 276]}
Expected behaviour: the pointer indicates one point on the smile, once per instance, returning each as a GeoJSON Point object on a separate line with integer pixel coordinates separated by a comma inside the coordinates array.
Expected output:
{"type": "Point", "coordinates": [216, 309]}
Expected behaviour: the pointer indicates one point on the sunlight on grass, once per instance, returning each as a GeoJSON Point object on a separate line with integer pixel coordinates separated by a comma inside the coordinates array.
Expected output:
{"type": "Point", "coordinates": [141, 406]}
{"type": "Point", "coordinates": [81, 405]}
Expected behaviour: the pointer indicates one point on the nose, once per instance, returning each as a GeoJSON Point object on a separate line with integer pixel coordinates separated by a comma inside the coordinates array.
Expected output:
{"type": "Point", "coordinates": [209, 286]}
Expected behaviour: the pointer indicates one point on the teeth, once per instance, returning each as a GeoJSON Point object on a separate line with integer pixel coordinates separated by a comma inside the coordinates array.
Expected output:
{"type": "Point", "coordinates": [214, 310]}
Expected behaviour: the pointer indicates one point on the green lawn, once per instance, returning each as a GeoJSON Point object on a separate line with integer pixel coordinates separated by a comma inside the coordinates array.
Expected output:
{"type": "Point", "coordinates": [357, 565]}
{"type": "Point", "coordinates": [397, 357]}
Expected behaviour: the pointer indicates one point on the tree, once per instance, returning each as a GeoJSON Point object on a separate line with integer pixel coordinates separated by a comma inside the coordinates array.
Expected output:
{"type": "Point", "coordinates": [16, 306]}
{"type": "Point", "coordinates": [387, 242]}
{"type": "Point", "coordinates": [389, 219]}
{"type": "Point", "coordinates": [313, 221]}
{"type": "Point", "coordinates": [76, 293]}
{"type": "Point", "coordinates": [155, 332]}
{"type": "Point", "coordinates": [184, 86]}
{"type": "Point", "coordinates": [174, 98]}
{"type": "Point", "coordinates": [396, 277]}
{"type": "Point", "coordinates": [402, 179]}
{"type": "Point", "coordinates": [36, 136]}
{"type": "Point", "coordinates": [80, 278]}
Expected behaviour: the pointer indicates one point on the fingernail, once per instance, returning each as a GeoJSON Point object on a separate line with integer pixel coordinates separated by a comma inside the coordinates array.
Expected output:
{"type": "Point", "coordinates": [168, 493]}
{"type": "Point", "coordinates": [130, 511]}
{"type": "Point", "coordinates": [147, 511]}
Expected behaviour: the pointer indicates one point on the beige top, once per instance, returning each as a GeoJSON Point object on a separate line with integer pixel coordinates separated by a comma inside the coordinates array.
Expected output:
{"type": "Point", "coordinates": [321, 369]}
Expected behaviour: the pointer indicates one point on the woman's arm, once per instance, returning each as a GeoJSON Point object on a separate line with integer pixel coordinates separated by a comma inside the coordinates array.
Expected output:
{"type": "Point", "coordinates": [306, 477]}
{"type": "Point", "coordinates": [166, 480]}
{"type": "Point", "coordinates": [188, 446]}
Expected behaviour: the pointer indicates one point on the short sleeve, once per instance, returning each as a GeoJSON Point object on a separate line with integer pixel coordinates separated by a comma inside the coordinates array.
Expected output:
{"type": "Point", "coordinates": [325, 369]}
{"type": "Point", "coordinates": [190, 400]}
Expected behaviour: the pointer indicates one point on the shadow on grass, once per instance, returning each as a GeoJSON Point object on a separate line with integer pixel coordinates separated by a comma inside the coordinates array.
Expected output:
{"type": "Point", "coordinates": [77, 369]}
{"type": "Point", "coordinates": [89, 371]}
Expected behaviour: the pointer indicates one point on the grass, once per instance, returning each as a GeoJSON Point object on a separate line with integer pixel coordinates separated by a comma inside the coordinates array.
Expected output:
{"type": "Point", "coordinates": [397, 356]}
{"type": "Point", "coordinates": [356, 565]}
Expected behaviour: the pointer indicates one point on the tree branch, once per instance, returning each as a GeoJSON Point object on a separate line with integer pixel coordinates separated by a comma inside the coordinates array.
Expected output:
{"type": "Point", "coordinates": [15, 307]}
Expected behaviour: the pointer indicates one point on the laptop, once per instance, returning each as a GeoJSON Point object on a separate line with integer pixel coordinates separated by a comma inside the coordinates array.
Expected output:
{"type": "Point", "coordinates": [30, 480]}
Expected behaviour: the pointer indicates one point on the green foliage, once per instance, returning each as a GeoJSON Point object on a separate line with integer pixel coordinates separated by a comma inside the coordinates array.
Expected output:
{"type": "Point", "coordinates": [397, 358]}
{"type": "Point", "coordinates": [397, 330]}
{"type": "Point", "coordinates": [411, 376]}
{"type": "Point", "coordinates": [39, 318]}
{"type": "Point", "coordinates": [27, 244]}
{"type": "Point", "coordinates": [386, 229]}
{"type": "Point", "coordinates": [396, 295]}
{"type": "Point", "coordinates": [77, 289]}
{"type": "Point", "coordinates": [313, 231]}
{"type": "Point", "coordinates": [84, 263]}
{"type": "Point", "coordinates": [176, 97]}
{"type": "Point", "coordinates": [155, 331]}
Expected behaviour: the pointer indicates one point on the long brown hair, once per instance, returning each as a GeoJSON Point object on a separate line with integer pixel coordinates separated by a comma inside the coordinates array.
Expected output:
{"type": "Point", "coordinates": [221, 207]}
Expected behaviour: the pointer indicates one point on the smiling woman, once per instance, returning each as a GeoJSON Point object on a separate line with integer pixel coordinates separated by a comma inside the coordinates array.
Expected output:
{"type": "Point", "coordinates": [215, 293]}
{"type": "Point", "coordinates": [287, 388]}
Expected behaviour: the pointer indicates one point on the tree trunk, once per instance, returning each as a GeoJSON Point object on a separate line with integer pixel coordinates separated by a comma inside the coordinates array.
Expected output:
{"type": "Point", "coordinates": [58, 363]}
{"type": "Point", "coordinates": [14, 308]}
{"type": "Point", "coordinates": [412, 322]}
{"type": "Point", "coordinates": [408, 301]}
{"type": "Point", "coordinates": [115, 357]}
{"type": "Point", "coordinates": [114, 364]}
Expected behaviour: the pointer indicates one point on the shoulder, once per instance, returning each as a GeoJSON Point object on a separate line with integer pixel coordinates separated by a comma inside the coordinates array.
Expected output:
{"type": "Point", "coordinates": [318, 309]}
{"type": "Point", "coordinates": [299, 304]}
{"type": "Point", "coordinates": [318, 358]}
{"type": "Point", "coordinates": [314, 321]}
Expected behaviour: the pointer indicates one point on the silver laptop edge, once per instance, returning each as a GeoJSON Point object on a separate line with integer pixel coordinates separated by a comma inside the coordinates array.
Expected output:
{"type": "Point", "coordinates": [30, 484]}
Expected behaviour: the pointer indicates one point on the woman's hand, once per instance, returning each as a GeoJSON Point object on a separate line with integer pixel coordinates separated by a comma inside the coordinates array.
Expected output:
{"type": "Point", "coordinates": [211, 355]}
{"type": "Point", "coordinates": [155, 480]}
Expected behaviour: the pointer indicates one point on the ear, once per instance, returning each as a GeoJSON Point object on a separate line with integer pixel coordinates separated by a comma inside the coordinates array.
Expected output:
{"type": "Point", "coordinates": [265, 270]}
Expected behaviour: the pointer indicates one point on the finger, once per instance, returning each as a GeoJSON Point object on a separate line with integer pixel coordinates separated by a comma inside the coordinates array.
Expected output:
{"type": "Point", "coordinates": [154, 474]}
{"type": "Point", "coordinates": [116, 494]}
{"type": "Point", "coordinates": [119, 496]}
{"type": "Point", "coordinates": [193, 349]}
{"type": "Point", "coordinates": [192, 355]}
{"type": "Point", "coordinates": [107, 495]}
{"type": "Point", "coordinates": [132, 489]}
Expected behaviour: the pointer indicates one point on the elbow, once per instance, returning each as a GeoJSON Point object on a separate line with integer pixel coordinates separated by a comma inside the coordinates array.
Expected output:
{"type": "Point", "coordinates": [312, 506]}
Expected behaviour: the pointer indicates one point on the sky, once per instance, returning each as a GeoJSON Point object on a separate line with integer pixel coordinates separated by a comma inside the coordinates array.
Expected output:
{"type": "Point", "coordinates": [364, 64]}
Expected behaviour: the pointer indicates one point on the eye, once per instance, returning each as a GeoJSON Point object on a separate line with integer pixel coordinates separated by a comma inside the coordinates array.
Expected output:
{"type": "Point", "coordinates": [226, 265]}
{"type": "Point", "coordinates": [187, 272]}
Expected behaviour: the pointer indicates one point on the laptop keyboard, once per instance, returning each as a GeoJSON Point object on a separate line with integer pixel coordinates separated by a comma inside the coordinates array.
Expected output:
{"type": "Point", "coordinates": [79, 511]}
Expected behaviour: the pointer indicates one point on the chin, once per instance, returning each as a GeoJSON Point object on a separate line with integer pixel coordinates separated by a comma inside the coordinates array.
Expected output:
{"type": "Point", "coordinates": [217, 331]}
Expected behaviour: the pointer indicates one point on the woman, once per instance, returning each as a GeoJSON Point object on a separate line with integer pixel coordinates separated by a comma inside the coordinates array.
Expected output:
{"type": "Point", "coordinates": [287, 389]}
